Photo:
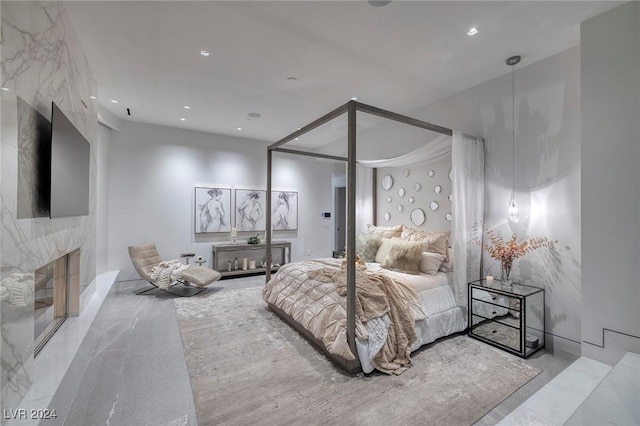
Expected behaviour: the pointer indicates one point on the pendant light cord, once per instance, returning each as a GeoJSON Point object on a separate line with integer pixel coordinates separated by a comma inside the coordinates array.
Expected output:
{"type": "Point", "coordinates": [513, 131]}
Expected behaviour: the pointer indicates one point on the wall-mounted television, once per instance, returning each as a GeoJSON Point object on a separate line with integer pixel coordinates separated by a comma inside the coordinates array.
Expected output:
{"type": "Point", "coordinates": [34, 162]}
{"type": "Point", "coordinates": [70, 165]}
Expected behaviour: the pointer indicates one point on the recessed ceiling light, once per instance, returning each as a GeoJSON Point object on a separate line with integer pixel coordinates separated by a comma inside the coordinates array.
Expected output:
{"type": "Point", "coordinates": [473, 31]}
{"type": "Point", "coordinates": [379, 3]}
{"type": "Point", "coordinates": [187, 107]}
{"type": "Point", "coordinates": [92, 97]}
{"type": "Point", "coordinates": [291, 80]}
{"type": "Point", "coordinates": [239, 128]}
{"type": "Point", "coordinates": [113, 101]}
{"type": "Point", "coordinates": [204, 53]}
{"type": "Point", "coordinates": [183, 119]}
{"type": "Point", "coordinates": [5, 89]}
{"type": "Point", "coordinates": [254, 115]}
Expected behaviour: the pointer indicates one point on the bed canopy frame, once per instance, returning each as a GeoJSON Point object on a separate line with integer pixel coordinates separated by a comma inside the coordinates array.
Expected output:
{"type": "Point", "coordinates": [350, 108]}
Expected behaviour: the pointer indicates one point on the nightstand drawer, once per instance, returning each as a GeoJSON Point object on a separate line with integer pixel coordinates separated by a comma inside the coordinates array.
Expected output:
{"type": "Point", "coordinates": [497, 332]}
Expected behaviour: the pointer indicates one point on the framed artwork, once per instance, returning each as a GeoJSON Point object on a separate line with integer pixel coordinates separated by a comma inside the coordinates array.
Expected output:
{"type": "Point", "coordinates": [250, 210]}
{"type": "Point", "coordinates": [212, 211]}
{"type": "Point", "coordinates": [284, 210]}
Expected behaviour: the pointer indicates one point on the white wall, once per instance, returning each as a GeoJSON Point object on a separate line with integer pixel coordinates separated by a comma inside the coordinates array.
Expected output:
{"type": "Point", "coordinates": [547, 102]}
{"type": "Point", "coordinates": [152, 173]}
{"type": "Point", "coordinates": [610, 66]}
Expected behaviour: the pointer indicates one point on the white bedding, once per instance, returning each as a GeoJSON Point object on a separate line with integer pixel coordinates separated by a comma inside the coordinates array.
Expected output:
{"type": "Point", "coordinates": [444, 317]}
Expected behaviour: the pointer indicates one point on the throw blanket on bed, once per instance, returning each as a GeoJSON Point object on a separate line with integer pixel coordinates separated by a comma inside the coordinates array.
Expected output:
{"type": "Point", "coordinates": [167, 272]}
{"type": "Point", "coordinates": [313, 294]}
{"type": "Point", "coordinates": [378, 295]}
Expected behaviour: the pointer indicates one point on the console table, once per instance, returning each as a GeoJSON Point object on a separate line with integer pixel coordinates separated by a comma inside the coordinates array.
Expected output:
{"type": "Point", "coordinates": [237, 259]}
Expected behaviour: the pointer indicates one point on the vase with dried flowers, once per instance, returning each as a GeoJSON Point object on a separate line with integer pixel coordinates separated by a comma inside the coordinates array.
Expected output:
{"type": "Point", "coordinates": [506, 252]}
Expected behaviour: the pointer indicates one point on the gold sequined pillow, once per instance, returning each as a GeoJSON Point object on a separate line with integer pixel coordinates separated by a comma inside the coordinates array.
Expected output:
{"type": "Point", "coordinates": [435, 242]}
{"type": "Point", "coordinates": [386, 231]}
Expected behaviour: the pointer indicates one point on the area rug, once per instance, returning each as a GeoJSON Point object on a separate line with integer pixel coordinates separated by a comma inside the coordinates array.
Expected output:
{"type": "Point", "coordinates": [248, 367]}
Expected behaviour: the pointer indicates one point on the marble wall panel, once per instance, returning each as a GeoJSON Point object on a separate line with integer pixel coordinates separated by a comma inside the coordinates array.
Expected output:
{"type": "Point", "coordinates": [42, 61]}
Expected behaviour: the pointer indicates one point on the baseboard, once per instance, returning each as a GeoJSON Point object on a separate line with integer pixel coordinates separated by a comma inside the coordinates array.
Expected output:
{"type": "Point", "coordinates": [614, 345]}
{"type": "Point", "coordinates": [559, 343]}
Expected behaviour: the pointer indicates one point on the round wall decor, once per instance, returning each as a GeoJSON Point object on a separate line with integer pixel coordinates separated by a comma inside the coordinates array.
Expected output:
{"type": "Point", "coordinates": [431, 173]}
{"type": "Point", "coordinates": [434, 205]}
{"type": "Point", "coordinates": [418, 217]}
{"type": "Point", "coordinates": [406, 173]}
{"type": "Point", "coordinates": [448, 217]}
{"type": "Point", "coordinates": [401, 192]}
{"type": "Point", "coordinates": [411, 200]}
{"type": "Point", "coordinates": [400, 208]}
{"type": "Point", "coordinates": [437, 189]}
{"type": "Point", "coordinates": [417, 187]}
{"type": "Point", "coordinates": [387, 182]}
{"type": "Point", "coordinates": [387, 216]}
{"type": "Point", "coordinates": [451, 175]}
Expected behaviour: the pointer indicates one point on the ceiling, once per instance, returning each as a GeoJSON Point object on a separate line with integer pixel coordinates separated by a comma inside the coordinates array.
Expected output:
{"type": "Point", "coordinates": [408, 54]}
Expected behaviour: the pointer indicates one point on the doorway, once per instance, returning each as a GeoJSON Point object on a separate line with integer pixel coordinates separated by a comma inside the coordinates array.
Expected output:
{"type": "Point", "coordinates": [340, 214]}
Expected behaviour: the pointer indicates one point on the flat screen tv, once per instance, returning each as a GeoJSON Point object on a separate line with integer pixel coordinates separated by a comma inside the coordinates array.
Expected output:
{"type": "Point", "coordinates": [70, 164]}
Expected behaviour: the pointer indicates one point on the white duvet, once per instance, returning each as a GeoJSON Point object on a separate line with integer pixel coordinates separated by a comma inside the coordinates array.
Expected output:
{"type": "Point", "coordinates": [290, 291]}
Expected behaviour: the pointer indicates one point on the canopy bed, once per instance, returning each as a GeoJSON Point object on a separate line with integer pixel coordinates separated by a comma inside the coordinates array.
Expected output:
{"type": "Point", "coordinates": [302, 293]}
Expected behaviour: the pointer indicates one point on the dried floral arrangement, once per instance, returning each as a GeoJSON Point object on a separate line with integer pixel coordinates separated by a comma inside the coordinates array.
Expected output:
{"type": "Point", "coordinates": [506, 252]}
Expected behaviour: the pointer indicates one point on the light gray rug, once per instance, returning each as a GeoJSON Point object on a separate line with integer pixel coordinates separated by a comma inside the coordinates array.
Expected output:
{"type": "Point", "coordinates": [247, 366]}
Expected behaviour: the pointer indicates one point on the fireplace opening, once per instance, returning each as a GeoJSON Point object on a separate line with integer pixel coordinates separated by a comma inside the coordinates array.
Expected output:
{"type": "Point", "coordinates": [54, 282]}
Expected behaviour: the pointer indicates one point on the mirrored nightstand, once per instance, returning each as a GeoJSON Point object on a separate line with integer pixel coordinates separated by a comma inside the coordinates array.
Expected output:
{"type": "Point", "coordinates": [507, 317]}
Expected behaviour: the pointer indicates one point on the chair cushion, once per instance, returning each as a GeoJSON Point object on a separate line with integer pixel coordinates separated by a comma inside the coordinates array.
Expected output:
{"type": "Point", "coordinates": [200, 276]}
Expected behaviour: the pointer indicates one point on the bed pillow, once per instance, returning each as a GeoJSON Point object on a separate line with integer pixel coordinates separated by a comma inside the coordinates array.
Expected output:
{"type": "Point", "coordinates": [430, 262]}
{"type": "Point", "coordinates": [383, 250]}
{"type": "Point", "coordinates": [447, 264]}
{"type": "Point", "coordinates": [367, 246]}
{"type": "Point", "coordinates": [404, 256]}
{"type": "Point", "coordinates": [436, 242]}
{"type": "Point", "coordinates": [386, 231]}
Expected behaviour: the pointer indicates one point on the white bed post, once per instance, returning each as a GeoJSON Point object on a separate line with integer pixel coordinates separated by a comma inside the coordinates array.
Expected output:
{"type": "Point", "coordinates": [351, 228]}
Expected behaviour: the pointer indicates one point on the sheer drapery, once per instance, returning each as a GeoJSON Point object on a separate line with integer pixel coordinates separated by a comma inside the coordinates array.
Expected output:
{"type": "Point", "coordinates": [467, 163]}
{"type": "Point", "coordinates": [364, 198]}
{"type": "Point", "coordinates": [467, 158]}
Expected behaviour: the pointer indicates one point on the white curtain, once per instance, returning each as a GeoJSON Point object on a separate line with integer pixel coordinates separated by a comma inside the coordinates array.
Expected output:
{"type": "Point", "coordinates": [364, 198]}
{"type": "Point", "coordinates": [467, 158]}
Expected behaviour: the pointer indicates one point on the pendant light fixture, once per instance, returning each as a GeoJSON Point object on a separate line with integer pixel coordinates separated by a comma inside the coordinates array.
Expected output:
{"type": "Point", "coordinates": [513, 213]}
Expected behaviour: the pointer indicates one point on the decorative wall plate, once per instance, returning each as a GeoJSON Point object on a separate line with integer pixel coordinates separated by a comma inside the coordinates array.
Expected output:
{"type": "Point", "coordinates": [418, 217]}
{"type": "Point", "coordinates": [437, 189]}
{"type": "Point", "coordinates": [387, 216]}
{"type": "Point", "coordinates": [451, 198]}
{"type": "Point", "coordinates": [417, 187]}
{"type": "Point", "coordinates": [431, 173]}
{"type": "Point", "coordinates": [389, 199]}
{"type": "Point", "coordinates": [449, 217]}
{"type": "Point", "coordinates": [387, 182]}
{"type": "Point", "coordinates": [401, 192]}
{"type": "Point", "coordinates": [451, 175]}
{"type": "Point", "coordinates": [411, 200]}
{"type": "Point", "coordinates": [400, 208]}
{"type": "Point", "coordinates": [434, 205]}
{"type": "Point", "coordinates": [406, 172]}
